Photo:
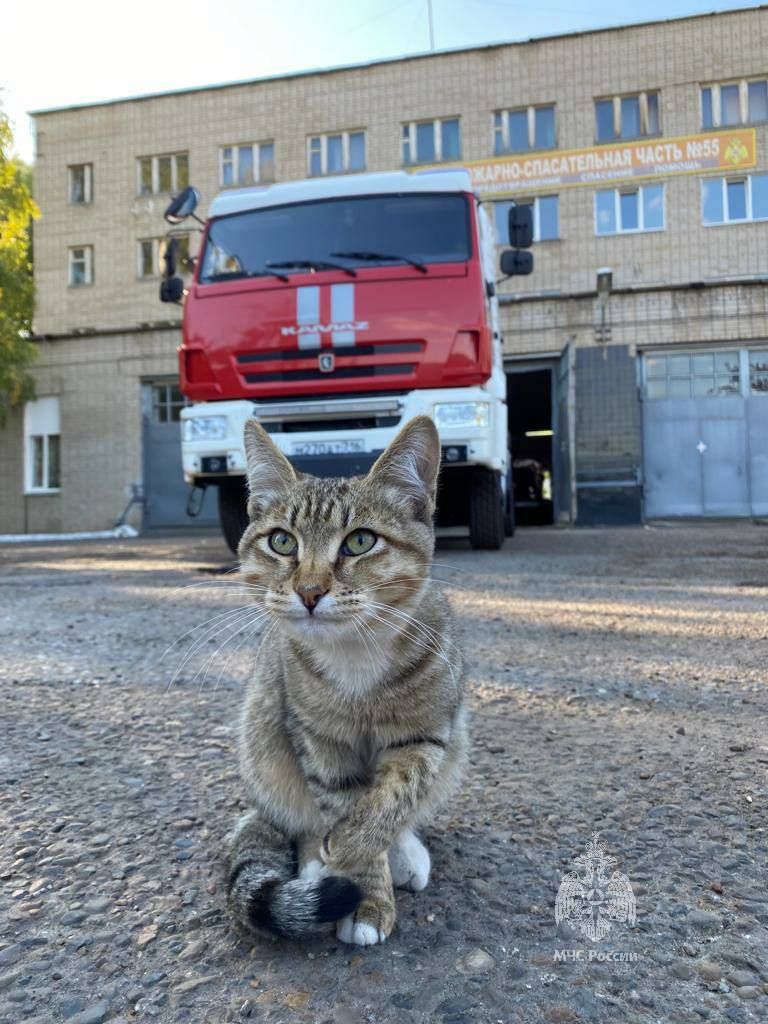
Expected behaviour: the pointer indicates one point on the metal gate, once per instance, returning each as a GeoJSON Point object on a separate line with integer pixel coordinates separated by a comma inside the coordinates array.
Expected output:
{"type": "Point", "coordinates": [705, 432]}
{"type": "Point", "coordinates": [165, 492]}
{"type": "Point", "coordinates": [563, 439]}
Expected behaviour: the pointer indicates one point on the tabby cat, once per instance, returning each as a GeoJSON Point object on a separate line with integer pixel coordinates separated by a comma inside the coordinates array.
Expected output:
{"type": "Point", "coordinates": [354, 730]}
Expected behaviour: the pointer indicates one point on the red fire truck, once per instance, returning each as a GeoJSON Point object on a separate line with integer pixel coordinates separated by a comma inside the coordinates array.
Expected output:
{"type": "Point", "coordinates": [335, 309]}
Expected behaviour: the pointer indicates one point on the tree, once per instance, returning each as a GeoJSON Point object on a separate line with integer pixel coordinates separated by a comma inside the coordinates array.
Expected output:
{"type": "Point", "coordinates": [17, 208]}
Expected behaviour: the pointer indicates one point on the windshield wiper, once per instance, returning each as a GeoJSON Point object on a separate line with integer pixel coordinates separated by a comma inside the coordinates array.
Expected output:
{"type": "Point", "coordinates": [235, 275]}
{"type": "Point", "coordinates": [311, 264]}
{"type": "Point", "coordinates": [363, 254]}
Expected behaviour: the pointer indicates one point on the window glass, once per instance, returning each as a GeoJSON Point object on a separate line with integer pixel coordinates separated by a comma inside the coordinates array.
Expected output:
{"type": "Point", "coordinates": [164, 177]}
{"type": "Point", "coordinates": [335, 154]}
{"type": "Point", "coordinates": [629, 206]}
{"type": "Point", "coordinates": [544, 128]}
{"type": "Point", "coordinates": [757, 101]}
{"type": "Point", "coordinates": [145, 171]}
{"type": "Point", "coordinates": [425, 143]}
{"type": "Point", "coordinates": [267, 161]}
{"type": "Point", "coordinates": [245, 165]}
{"type": "Point", "coordinates": [760, 196]}
{"type": "Point", "coordinates": [37, 460]}
{"type": "Point", "coordinates": [703, 387]}
{"type": "Point", "coordinates": [704, 364]}
{"type": "Point", "coordinates": [498, 134]}
{"type": "Point", "coordinates": [712, 201]}
{"type": "Point", "coordinates": [77, 267]}
{"type": "Point", "coordinates": [653, 113]}
{"type": "Point", "coordinates": [518, 131]}
{"type": "Point", "coordinates": [730, 112]}
{"type": "Point", "coordinates": [78, 184]}
{"type": "Point", "coordinates": [679, 387]}
{"type": "Point", "coordinates": [737, 200]}
{"type": "Point", "coordinates": [707, 120]}
{"type": "Point", "coordinates": [549, 227]}
{"type": "Point", "coordinates": [315, 157]}
{"type": "Point", "coordinates": [630, 117]}
{"type": "Point", "coordinates": [727, 362]}
{"type": "Point", "coordinates": [679, 365]}
{"type": "Point", "coordinates": [653, 207]}
{"type": "Point", "coordinates": [357, 151]}
{"type": "Point", "coordinates": [227, 175]}
{"type": "Point", "coordinates": [656, 366]}
{"type": "Point", "coordinates": [656, 388]}
{"type": "Point", "coordinates": [449, 140]}
{"type": "Point", "coordinates": [605, 213]}
{"type": "Point", "coordinates": [406, 144]}
{"type": "Point", "coordinates": [182, 171]}
{"type": "Point", "coordinates": [54, 461]}
{"type": "Point", "coordinates": [146, 262]}
{"type": "Point", "coordinates": [758, 372]}
{"type": "Point", "coordinates": [501, 215]}
{"type": "Point", "coordinates": [604, 119]}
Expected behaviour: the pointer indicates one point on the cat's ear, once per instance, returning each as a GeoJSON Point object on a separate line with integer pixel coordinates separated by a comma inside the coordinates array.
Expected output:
{"type": "Point", "coordinates": [411, 464]}
{"type": "Point", "coordinates": [270, 474]}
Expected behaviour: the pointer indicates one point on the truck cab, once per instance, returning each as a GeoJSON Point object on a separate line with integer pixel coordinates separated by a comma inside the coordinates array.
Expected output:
{"type": "Point", "coordinates": [335, 309]}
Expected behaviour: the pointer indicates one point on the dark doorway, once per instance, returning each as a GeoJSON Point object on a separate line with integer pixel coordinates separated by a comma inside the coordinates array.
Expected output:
{"type": "Point", "coordinates": [529, 406]}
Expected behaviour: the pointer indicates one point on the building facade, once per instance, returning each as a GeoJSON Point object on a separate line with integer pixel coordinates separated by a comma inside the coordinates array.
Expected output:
{"type": "Point", "coordinates": [637, 351]}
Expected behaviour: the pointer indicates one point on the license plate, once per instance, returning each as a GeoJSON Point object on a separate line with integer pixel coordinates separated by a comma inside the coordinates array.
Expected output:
{"type": "Point", "coordinates": [338, 447]}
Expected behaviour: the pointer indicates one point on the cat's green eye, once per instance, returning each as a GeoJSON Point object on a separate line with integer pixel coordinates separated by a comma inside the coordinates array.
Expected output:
{"type": "Point", "coordinates": [358, 543]}
{"type": "Point", "coordinates": [283, 543]}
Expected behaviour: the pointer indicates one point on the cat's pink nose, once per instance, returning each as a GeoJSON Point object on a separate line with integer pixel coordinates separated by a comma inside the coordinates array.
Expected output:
{"type": "Point", "coordinates": [310, 595]}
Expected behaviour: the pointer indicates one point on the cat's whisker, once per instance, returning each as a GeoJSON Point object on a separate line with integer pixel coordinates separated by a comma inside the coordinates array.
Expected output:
{"type": "Point", "coordinates": [222, 583]}
{"type": "Point", "coordinates": [245, 639]}
{"type": "Point", "coordinates": [438, 650]}
{"type": "Point", "coordinates": [238, 628]}
{"type": "Point", "coordinates": [422, 627]}
{"type": "Point", "coordinates": [234, 618]}
{"type": "Point", "coordinates": [200, 625]}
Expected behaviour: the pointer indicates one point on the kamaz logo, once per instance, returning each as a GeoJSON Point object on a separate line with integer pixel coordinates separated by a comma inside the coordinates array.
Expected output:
{"type": "Point", "coordinates": [343, 325]}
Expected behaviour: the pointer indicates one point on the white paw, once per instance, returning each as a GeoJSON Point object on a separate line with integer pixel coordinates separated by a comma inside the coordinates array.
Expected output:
{"type": "Point", "coordinates": [357, 933]}
{"type": "Point", "coordinates": [409, 862]}
{"type": "Point", "coordinates": [313, 869]}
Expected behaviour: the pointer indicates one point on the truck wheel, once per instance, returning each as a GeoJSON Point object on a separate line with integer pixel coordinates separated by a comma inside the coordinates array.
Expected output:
{"type": "Point", "coordinates": [233, 514]}
{"type": "Point", "coordinates": [486, 511]}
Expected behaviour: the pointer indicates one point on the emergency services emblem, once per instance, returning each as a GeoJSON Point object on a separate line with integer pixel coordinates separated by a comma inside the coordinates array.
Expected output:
{"type": "Point", "coordinates": [326, 361]}
{"type": "Point", "coordinates": [591, 900]}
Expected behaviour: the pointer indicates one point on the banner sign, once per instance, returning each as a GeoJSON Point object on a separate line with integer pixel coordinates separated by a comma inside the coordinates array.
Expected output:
{"type": "Point", "coordinates": [731, 150]}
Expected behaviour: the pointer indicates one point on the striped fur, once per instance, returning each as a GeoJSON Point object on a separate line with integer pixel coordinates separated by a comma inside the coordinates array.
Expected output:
{"type": "Point", "coordinates": [354, 730]}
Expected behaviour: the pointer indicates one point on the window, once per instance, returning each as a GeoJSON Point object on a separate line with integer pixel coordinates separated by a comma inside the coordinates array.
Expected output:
{"type": "Point", "coordinates": [546, 218]}
{"type": "Point", "coordinates": [744, 102]}
{"type": "Point", "coordinates": [692, 375]}
{"type": "Point", "coordinates": [627, 117]}
{"type": "Point", "coordinates": [621, 211]}
{"type": "Point", "coordinates": [81, 183]}
{"type": "Point", "coordinates": [151, 254]}
{"type": "Point", "coordinates": [730, 200]}
{"type": "Point", "coordinates": [42, 446]}
{"type": "Point", "coordinates": [247, 164]}
{"type": "Point", "coordinates": [81, 265]}
{"type": "Point", "coordinates": [167, 403]}
{"type": "Point", "coordinates": [158, 174]}
{"type": "Point", "coordinates": [758, 372]}
{"type": "Point", "coordinates": [515, 131]}
{"type": "Point", "coordinates": [427, 142]}
{"type": "Point", "coordinates": [335, 154]}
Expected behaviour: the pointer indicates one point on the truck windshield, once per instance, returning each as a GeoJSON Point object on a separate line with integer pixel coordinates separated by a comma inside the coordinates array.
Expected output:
{"type": "Point", "coordinates": [416, 229]}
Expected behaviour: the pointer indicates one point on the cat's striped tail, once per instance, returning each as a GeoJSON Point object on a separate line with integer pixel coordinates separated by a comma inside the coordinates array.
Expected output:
{"type": "Point", "coordinates": [264, 896]}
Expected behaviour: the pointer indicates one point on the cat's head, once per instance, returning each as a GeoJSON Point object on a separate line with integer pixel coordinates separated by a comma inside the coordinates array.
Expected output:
{"type": "Point", "coordinates": [323, 553]}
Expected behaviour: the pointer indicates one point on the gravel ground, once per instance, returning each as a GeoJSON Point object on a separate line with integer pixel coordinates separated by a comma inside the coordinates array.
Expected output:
{"type": "Point", "coordinates": [618, 681]}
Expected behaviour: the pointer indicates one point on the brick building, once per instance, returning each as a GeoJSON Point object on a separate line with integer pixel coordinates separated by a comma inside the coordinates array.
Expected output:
{"type": "Point", "coordinates": [643, 149]}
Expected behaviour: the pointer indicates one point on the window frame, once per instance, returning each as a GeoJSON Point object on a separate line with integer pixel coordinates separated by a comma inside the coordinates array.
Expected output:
{"type": "Point", "coordinates": [617, 193]}
{"type": "Point", "coordinates": [155, 173]}
{"type": "Point", "coordinates": [691, 375]}
{"type": "Point", "coordinates": [500, 125]}
{"type": "Point", "coordinates": [724, 182]}
{"type": "Point", "coordinates": [168, 402]}
{"type": "Point", "coordinates": [87, 184]}
{"type": "Point", "coordinates": [642, 97]}
{"type": "Point", "coordinates": [322, 138]}
{"type": "Point", "coordinates": [87, 264]}
{"type": "Point", "coordinates": [533, 201]}
{"type": "Point", "coordinates": [714, 89]}
{"type": "Point", "coordinates": [256, 158]}
{"type": "Point", "coordinates": [48, 409]}
{"type": "Point", "coordinates": [158, 246]}
{"type": "Point", "coordinates": [408, 135]}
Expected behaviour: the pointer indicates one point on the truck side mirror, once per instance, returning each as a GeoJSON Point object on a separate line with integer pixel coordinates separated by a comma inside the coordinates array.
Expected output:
{"type": "Point", "coordinates": [183, 206]}
{"type": "Point", "coordinates": [521, 227]}
{"type": "Point", "coordinates": [169, 257]}
{"type": "Point", "coordinates": [516, 262]}
{"type": "Point", "coordinates": [171, 289]}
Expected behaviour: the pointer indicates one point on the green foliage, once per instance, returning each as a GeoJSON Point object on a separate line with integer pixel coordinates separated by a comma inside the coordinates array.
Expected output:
{"type": "Point", "coordinates": [17, 208]}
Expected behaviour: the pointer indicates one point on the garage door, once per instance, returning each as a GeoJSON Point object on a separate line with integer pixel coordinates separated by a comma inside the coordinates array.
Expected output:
{"type": "Point", "coordinates": [165, 491]}
{"type": "Point", "coordinates": [705, 432]}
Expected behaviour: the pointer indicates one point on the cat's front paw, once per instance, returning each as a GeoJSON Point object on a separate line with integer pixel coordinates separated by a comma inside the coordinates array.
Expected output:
{"type": "Point", "coordinates": [370, 924]}
{"type": "Point", "coordinates": [409, 862]}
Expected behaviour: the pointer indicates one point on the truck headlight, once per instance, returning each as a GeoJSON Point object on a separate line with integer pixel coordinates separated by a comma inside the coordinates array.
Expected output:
{"type": "Point", "coordinates": [462, 414]}
{"type": "Point", "coordinates": [205, 428]}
